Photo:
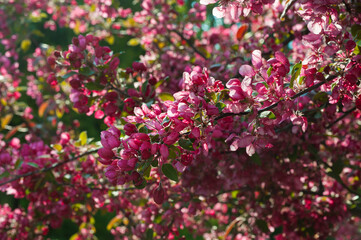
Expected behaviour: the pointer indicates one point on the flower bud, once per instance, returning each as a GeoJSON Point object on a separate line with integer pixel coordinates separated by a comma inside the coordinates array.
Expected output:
{"type": "Point", "coordinates": [158, 195]}
{"type": "Point", "coordinates": [109, 140]}
{"type": "Point", "coordinates": [139, 67]}
{"type": "Point", "coordinates": [130, 129]}
{"type": "Point", "coordinates": [106, 155]}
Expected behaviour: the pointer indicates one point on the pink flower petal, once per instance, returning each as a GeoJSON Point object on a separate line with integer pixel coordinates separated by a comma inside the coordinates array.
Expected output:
{"type": "Point", "coordinates": [257, 59]}
{"type": "Point", "coordinates": [246, 70]}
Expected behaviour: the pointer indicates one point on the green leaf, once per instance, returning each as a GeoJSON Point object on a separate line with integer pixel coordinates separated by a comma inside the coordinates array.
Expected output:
{"type": "Point", "coordinates": [337, 167]}
{"type": "Point", "coordinates": [158, 84]}
{"type": "Point", "coordinates": [265, 84]}
{"type": "Point", "coordinates": [33, 164]}
{"type": "Point", "coordinates": [165, 120]}
{"type": "Point", "coordinates": [18, 163]}
{"type": "Point", "coordinates": [69, 74]}
{"type": "Point", "coordinates": [5, 174]}
{"type": "Point", "coordinates": [144, 86]}
{"type": "Point", "coordinates": [86, 71]}
{"type": "Point", "coordinates": [172, 154]}
{"type": "Point", "coordinates": [170, 172]}
{"type": "Point", "coordinates": [357, 51]}
{"type": "Point", "coordinates": [330, 238]}
{"type": "Point", "coordinates": [149, 234]}
{"type": "Point", "coordinates": [267, 114]}
{"type": "Point", "coordinates": [164, 96]}
{"type": "Point", "coordinates": [278, 230]}
{"type": "Point", "coordinates": [149, 104]}
{"type": "Point", "coordinates": [94, 86]}
{"type": "Point", "coordinates": [154, 163]}
{"type": "Point", "coordinates": [296, 70]}
{"type": "Point", "coordinates": [262, 225]}
{"type": "Point", "coordinates": [333, 85]}
{"type": "Point", "coordinates": [146, 173]}
{"type": "Point", "coordinates": [320, 97]}
{"type": "Point", "coordinates": [256, 159]}
{"type": "Point", "coordinates": [186, 144]}
{"type": "Point", "coordinates": [220, 106]}
{"type": "Point", "coordinates": [356, 31]}
{"type": "Point", "coordinates": [269, 71]}
{"type": "Point", "coordinates": [144, 129]}
{"type": "Point", "coordinates": [142, 185]}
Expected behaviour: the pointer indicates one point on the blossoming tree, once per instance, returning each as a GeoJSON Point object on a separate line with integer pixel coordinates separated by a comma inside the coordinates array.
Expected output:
{"type": "Point", "coordinates": [241, 125]}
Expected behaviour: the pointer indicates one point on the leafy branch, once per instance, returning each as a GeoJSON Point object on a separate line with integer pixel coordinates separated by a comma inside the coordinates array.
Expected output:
{"type": "Point", "coordinates": [46, 169]}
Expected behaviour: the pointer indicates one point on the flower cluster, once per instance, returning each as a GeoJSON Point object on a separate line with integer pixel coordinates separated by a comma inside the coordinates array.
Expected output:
{"type": "Point", "coordinates": [243, 130]}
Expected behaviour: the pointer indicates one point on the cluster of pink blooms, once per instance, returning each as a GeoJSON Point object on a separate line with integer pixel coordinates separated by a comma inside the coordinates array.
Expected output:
{"type": "Point", "coordinates": [246, 130]}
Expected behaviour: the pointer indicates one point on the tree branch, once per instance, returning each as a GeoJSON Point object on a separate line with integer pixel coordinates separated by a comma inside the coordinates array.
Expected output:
{"type": "Point", "coordinates": [276, 103]}
{"type": "Point", "coordinates": [48, 168]}
{"type": "Point", "coordinates": [190, 44]}
{"type": "Point", "coordinates": [342, 117]}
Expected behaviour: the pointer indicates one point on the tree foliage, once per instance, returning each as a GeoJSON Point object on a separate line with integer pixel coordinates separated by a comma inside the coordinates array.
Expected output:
{"type": "Point", "coordinates": [165, 119]}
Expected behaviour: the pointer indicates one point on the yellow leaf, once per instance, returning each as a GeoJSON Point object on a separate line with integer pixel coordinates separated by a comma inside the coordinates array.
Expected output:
{"type": "Point", "coordinates": [161, 45]}
{"type": "Point", "coordinates": [42, 108]}
{"type": "Point", "coordinates": [57, 147]}
{"type": "Point", "coordinates": [77, 27]}
{"type": "Point", "coordinates": [82, 225]}
{"type": "Point", "coordinates": [3, 102]}
{"type": "Point", "coordinates": [114, 222]}
{"type": "Point", "coordinates": [38, 33]}
{"type": "Point", "coordinates": [110, 39]}
{"type": "Point", "coordinates": [93, 8]}
{"type": "Point", "coordinates": [74, 236]}
{"type": "Point", "coordinates": [130, 22]}
{"type": "Point", "coordinates": [59, 112]}
{"type": "Point", "coordinates": [83, 137]}
{"type": "Point", "coordinates": [125, 221]}
{"type": "Point", "coordinates": [133, 42]}
{"type": "Point", "coordinates": [25, 45]}
{"type": "Point", "coordinates": [75, 110]}
{"type": "Point", "coordinates": [5, 120]}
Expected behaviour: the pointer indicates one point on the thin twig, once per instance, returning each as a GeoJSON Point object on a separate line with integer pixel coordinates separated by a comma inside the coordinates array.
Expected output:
{"type": "Point", "coordinates": [190, 44]}
{"type": "Point", "coordinates": [48, 168]}
{"type": "Point", "coordinates": [342, 117]}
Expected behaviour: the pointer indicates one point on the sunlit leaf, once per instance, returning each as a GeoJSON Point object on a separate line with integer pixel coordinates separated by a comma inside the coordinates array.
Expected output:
{"type": "Point", "coordinates": [6, 120]}
{"type": "Point", "coordinates": [164, 96]}
{"type": "Point", "coordinates": [83, 137]}
{"type": "Point", "coordinates": [57, 147]}
{"type": "Point", "coordinates": [241, 31]}
{"type": "Point", "coordinates": [25, 44]}
{"type": "Point", "coordinates": [133, 42]}
{"type": "Point", "coordinates": [296, 70]}
{"type": "Point", "coordinates": [42, 108]}
{"type": "Point", "coordinates": [267, 114]}
{"type": "Point", "coordinates": [33, 164]}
